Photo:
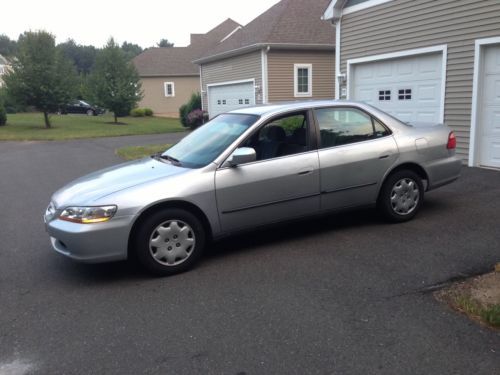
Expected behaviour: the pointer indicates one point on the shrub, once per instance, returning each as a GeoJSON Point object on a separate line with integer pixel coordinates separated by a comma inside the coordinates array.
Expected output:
{"type": "Point", "coordinates": [3, 115]}
{"type": "Point", "coordinates": [148, 112]}
{"type": "Point", "coordinates": [193, 103]}
{"type": "Point", "coordinates": [137, 112]}
{"type": "Point", "coordinates": [196, 118]}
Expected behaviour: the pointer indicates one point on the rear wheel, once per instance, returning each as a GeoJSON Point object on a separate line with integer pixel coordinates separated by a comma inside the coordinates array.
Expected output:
{"type": "Point", "coordinates": [401, 196]}
{"type": "Point", "coordinates": [169, 242]}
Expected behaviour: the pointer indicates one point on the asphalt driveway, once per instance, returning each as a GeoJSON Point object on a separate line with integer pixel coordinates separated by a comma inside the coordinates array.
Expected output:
{"type": "Point", "coordinates": [346, 294]}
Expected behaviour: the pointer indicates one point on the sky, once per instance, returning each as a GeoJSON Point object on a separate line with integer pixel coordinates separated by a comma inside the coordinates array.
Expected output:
{"type": "Point", "coordinates": [143, 22]}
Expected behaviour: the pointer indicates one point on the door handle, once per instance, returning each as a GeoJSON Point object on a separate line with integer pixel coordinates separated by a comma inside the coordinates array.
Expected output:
{"type": "Point", "coordinates": [383, 156]}
{"type": "Point", "coordinates": [304, 172]}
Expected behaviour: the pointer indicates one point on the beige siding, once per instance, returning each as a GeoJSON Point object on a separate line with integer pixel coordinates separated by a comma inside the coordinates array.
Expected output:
{"type": "Point", "coordinates": [406, 24]}
{"type": "Point", "coordinates": [154, 94]}
{"type": "Point", "coordinates": [281, 73]}
{"type": "Point", "coordinates": [247, 66]}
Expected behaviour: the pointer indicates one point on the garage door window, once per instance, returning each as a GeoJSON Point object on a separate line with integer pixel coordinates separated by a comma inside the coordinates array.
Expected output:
{"type": "Point", "coordinates": [404, 94]}
{"type": "Point", "coordinates": [303, 80]}
{"type": "Point", "coordinates": [384, 95]}
{"type": "Point", "coordinates": [340, 126]}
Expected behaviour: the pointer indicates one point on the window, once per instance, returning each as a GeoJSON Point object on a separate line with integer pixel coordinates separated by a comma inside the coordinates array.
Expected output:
{"type": "Point", "coordinates": [303, 80]}
{"type": "Point", "coordinates": [384, 95]}
{"type": "Point", "coordinates": [286, 135]}
{"type": "Point", "coordinates": [169, 89]}
{"type": "Point", "coordinates": [340, 126]}
{"type": "Point", "coordinates": [404, 94]}
{"type": "Point", "coordinates": [240, 101]}
{"type": "Point", "coordinates": [247, 101]}
{"type": "Point", "coordinates": [223, 101]}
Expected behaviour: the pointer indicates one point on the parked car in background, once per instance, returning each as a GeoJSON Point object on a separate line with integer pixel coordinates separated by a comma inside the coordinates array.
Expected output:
{"type": "Point", "coordinates": [248, 168]}
{"type": "Point", "coordinates": [80, 106]}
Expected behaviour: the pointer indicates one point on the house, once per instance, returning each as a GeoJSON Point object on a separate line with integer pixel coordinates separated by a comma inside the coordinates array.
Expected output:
{"type": "Point", "coordinates": [4, 65]}
{"type": "Point", "coordinates": [426, 60]}
{"type": "Point", "coordinates": [169, 77]}
{"type": "Point", "coordinates": [286, 53]}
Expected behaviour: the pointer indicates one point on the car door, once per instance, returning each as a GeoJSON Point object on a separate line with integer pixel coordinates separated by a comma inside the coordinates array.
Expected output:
{"type": "Point", "coordinates": [282, 183]}
{"type": "Point", "coordinates": [355, 151]}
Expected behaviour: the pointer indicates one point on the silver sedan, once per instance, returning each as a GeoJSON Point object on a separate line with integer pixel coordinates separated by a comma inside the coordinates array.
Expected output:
{"type": "Point", "coordinates": [248, 168]}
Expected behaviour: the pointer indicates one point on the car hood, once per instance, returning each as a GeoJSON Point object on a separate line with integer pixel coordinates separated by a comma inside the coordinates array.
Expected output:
{"type": "Point", "coordinates": [86, 189]}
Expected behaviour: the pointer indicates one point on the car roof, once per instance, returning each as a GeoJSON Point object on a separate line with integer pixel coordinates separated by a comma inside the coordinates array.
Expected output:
{"type": "Point", "coordinates": [271, 108]}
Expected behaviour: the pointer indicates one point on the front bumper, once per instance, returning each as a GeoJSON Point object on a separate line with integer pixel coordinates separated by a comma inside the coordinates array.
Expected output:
{"type": "Point", "coordinates": [91, 243]}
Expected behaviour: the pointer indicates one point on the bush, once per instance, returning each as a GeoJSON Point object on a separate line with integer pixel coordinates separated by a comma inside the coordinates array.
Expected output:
{"type": "Point", "coordinates": [138, 112]}
{"type": "Point", "coordinates": [148, 112]}
{"type": "Point", "coordinates": [3, 115]}
{"type": "Point", "coordinates": [193, 103]}
{"type": "Point", "coordinates": [196, 118]}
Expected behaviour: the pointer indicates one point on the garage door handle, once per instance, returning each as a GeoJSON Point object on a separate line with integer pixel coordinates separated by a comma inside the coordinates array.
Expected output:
{"type": "Point", "coordinates": [302, 173]}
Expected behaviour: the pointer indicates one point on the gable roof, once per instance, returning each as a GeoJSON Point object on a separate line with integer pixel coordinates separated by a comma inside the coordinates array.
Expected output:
{"type": "Point", "coordinates": [177, 61]}
{"type": "Point", "coordinates": [293, 23]}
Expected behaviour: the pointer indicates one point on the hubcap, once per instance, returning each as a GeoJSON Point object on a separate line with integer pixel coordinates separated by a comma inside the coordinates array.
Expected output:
{"type": "Point", "coordinates": [172, 242]}
{"type": "Point", "coordinates": [405, 196]}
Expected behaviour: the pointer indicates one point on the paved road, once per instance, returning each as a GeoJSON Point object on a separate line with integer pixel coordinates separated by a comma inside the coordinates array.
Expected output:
{"type": "Point", "coordinates": [339, 295]}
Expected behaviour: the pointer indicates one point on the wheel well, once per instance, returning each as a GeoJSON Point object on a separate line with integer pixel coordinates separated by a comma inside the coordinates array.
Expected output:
{"type": "Point", "coordinates": [190, 207]}
{"type": "Point", "coordinates": [412, 167]}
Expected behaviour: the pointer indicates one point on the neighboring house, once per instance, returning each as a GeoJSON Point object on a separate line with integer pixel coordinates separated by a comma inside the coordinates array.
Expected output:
{"type": "Point", "coordinates": [169, 77]}
{"type": "Point", "coordinates": [4, 65]}
{"type": "Point", "coordinates": [287, 53]}
{"type": "Point", "coordinates": [426, 60]}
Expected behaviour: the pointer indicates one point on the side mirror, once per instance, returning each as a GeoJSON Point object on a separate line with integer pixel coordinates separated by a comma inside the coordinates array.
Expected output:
{"type": "Point", "coordinates": [242, 155]}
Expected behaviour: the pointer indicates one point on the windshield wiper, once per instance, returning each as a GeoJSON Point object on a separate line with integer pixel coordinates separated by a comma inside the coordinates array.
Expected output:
{"type": "Point", "coordinates": [171, 159]}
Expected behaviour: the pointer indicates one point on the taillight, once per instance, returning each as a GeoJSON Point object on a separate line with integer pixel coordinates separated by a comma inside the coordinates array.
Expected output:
{"type": "Point", "coordinates": [452, 141]}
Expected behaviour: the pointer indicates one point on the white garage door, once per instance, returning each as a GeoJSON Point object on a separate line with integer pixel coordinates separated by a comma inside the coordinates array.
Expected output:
{"type": "Point", "coordinates": [228, 97]}
{"type": "Point", "coordinates": [489, 109]}
{"type": "Point", "coordinates": [409, 88]}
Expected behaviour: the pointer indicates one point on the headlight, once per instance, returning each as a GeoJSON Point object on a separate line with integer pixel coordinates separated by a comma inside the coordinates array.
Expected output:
{"type": "Point", "coordinates": [88, 215]}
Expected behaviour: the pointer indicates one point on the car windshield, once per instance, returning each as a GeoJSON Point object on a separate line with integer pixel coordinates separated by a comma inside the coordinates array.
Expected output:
{"type": "Point", "coordinates": [85, 103]}
{"type": "Point", "coordinates": [203, 145]}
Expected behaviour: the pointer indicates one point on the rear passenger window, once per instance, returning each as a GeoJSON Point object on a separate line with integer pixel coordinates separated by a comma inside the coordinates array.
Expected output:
{"type": "Point", "coordinates": [340, 126]}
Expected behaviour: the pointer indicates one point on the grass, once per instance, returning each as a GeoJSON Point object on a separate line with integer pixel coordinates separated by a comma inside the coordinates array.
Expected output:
{"type": "Point", "coordinates": [30, 127]}
{"type": "Point", "coordinates": [487, 314]}
{"type": "Point", "coordinates": [137, 152]}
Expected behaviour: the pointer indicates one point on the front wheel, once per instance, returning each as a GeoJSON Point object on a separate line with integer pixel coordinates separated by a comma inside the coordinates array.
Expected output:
{"type": "Point", "coordinates": [90, 112]}
{"type": "Point", "coordinates": [401, 196]}
{"type": "Point", "coordinates": [169, 242]}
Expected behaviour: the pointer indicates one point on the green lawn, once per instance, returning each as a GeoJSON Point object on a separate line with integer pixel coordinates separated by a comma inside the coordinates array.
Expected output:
{"type": "Point", "coordinates": [30, 126]}
{"type": "Point", "coordinates": [137, 152]}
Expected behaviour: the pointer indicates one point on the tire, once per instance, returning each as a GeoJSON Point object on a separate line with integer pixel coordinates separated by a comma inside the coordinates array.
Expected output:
{"type": "Point", "coordinates": [90, 112]}
{"type": "Point", "coordinates": [182, 239]}
{"type": "Point", "coordinates": [401, 196]}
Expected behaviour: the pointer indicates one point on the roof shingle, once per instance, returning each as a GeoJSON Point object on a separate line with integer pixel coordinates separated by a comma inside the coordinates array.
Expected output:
{"type": "Point", "coordinates": [177, 61]}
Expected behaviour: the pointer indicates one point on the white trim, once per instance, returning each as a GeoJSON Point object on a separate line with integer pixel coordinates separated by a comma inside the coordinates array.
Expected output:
{"type": "Point", "coordinates": [361, 6]}
{"type": "Point", "coordinates": [475, 93]}
{"type": "Point", "coordinates": [165, 84]}
{"type": "Point", "coordinates": [337, 59]}
{"type": "Point", "coordinates": [201, 88]}
{"type": "Point", "coordinates": [412, 52]}
{"type": "Point", "coordinates": [307, 94]}
{"type": "Point", "coordinates": [263, 58]}
{"type": "Point", "coordinates": [229, 83]}
{"type": "Point", "coordinates": [231, 33]}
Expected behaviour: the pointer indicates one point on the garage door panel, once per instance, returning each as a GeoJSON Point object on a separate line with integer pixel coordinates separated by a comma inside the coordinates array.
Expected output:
{"type": "Point", "coordinates": [489, 108]}
{"type": "Point", "coordinates": [418, 78]}
{"type": "Point", "coordinates": [229, 97]}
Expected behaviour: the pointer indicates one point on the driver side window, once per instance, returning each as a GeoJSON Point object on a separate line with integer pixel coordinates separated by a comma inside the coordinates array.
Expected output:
{"type": "Point", "coordinates": [286, 135]}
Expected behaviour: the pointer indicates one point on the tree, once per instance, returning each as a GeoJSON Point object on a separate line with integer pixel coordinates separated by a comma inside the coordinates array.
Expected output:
{"type": "Point", "coordinates": [8, 47]}
{"type": "Point", "coordinates": [131, 50]}
{"type": "Point", "coordinates": [165, 43]}
{"type": "Point", "coordinates": [41, 76]}
{"type": "Point", "coordinates": [82, 56]}
{"type": "Point", "coordinates": [114, 82]}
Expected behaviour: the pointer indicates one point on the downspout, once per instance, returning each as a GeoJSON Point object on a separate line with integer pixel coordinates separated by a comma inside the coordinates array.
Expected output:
{"type": "Point", "coordinates": [265, 94]}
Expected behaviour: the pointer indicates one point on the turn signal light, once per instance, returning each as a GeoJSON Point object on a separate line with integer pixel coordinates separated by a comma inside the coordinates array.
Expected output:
{"type": "Point", "coordinates": [452, 141]}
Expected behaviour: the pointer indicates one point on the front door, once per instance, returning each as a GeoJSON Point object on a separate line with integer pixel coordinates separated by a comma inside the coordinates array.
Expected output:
{"type": "Point", "coordinates": [283, 182]}
{"type": "Point", "coordinates": [355, 152]}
